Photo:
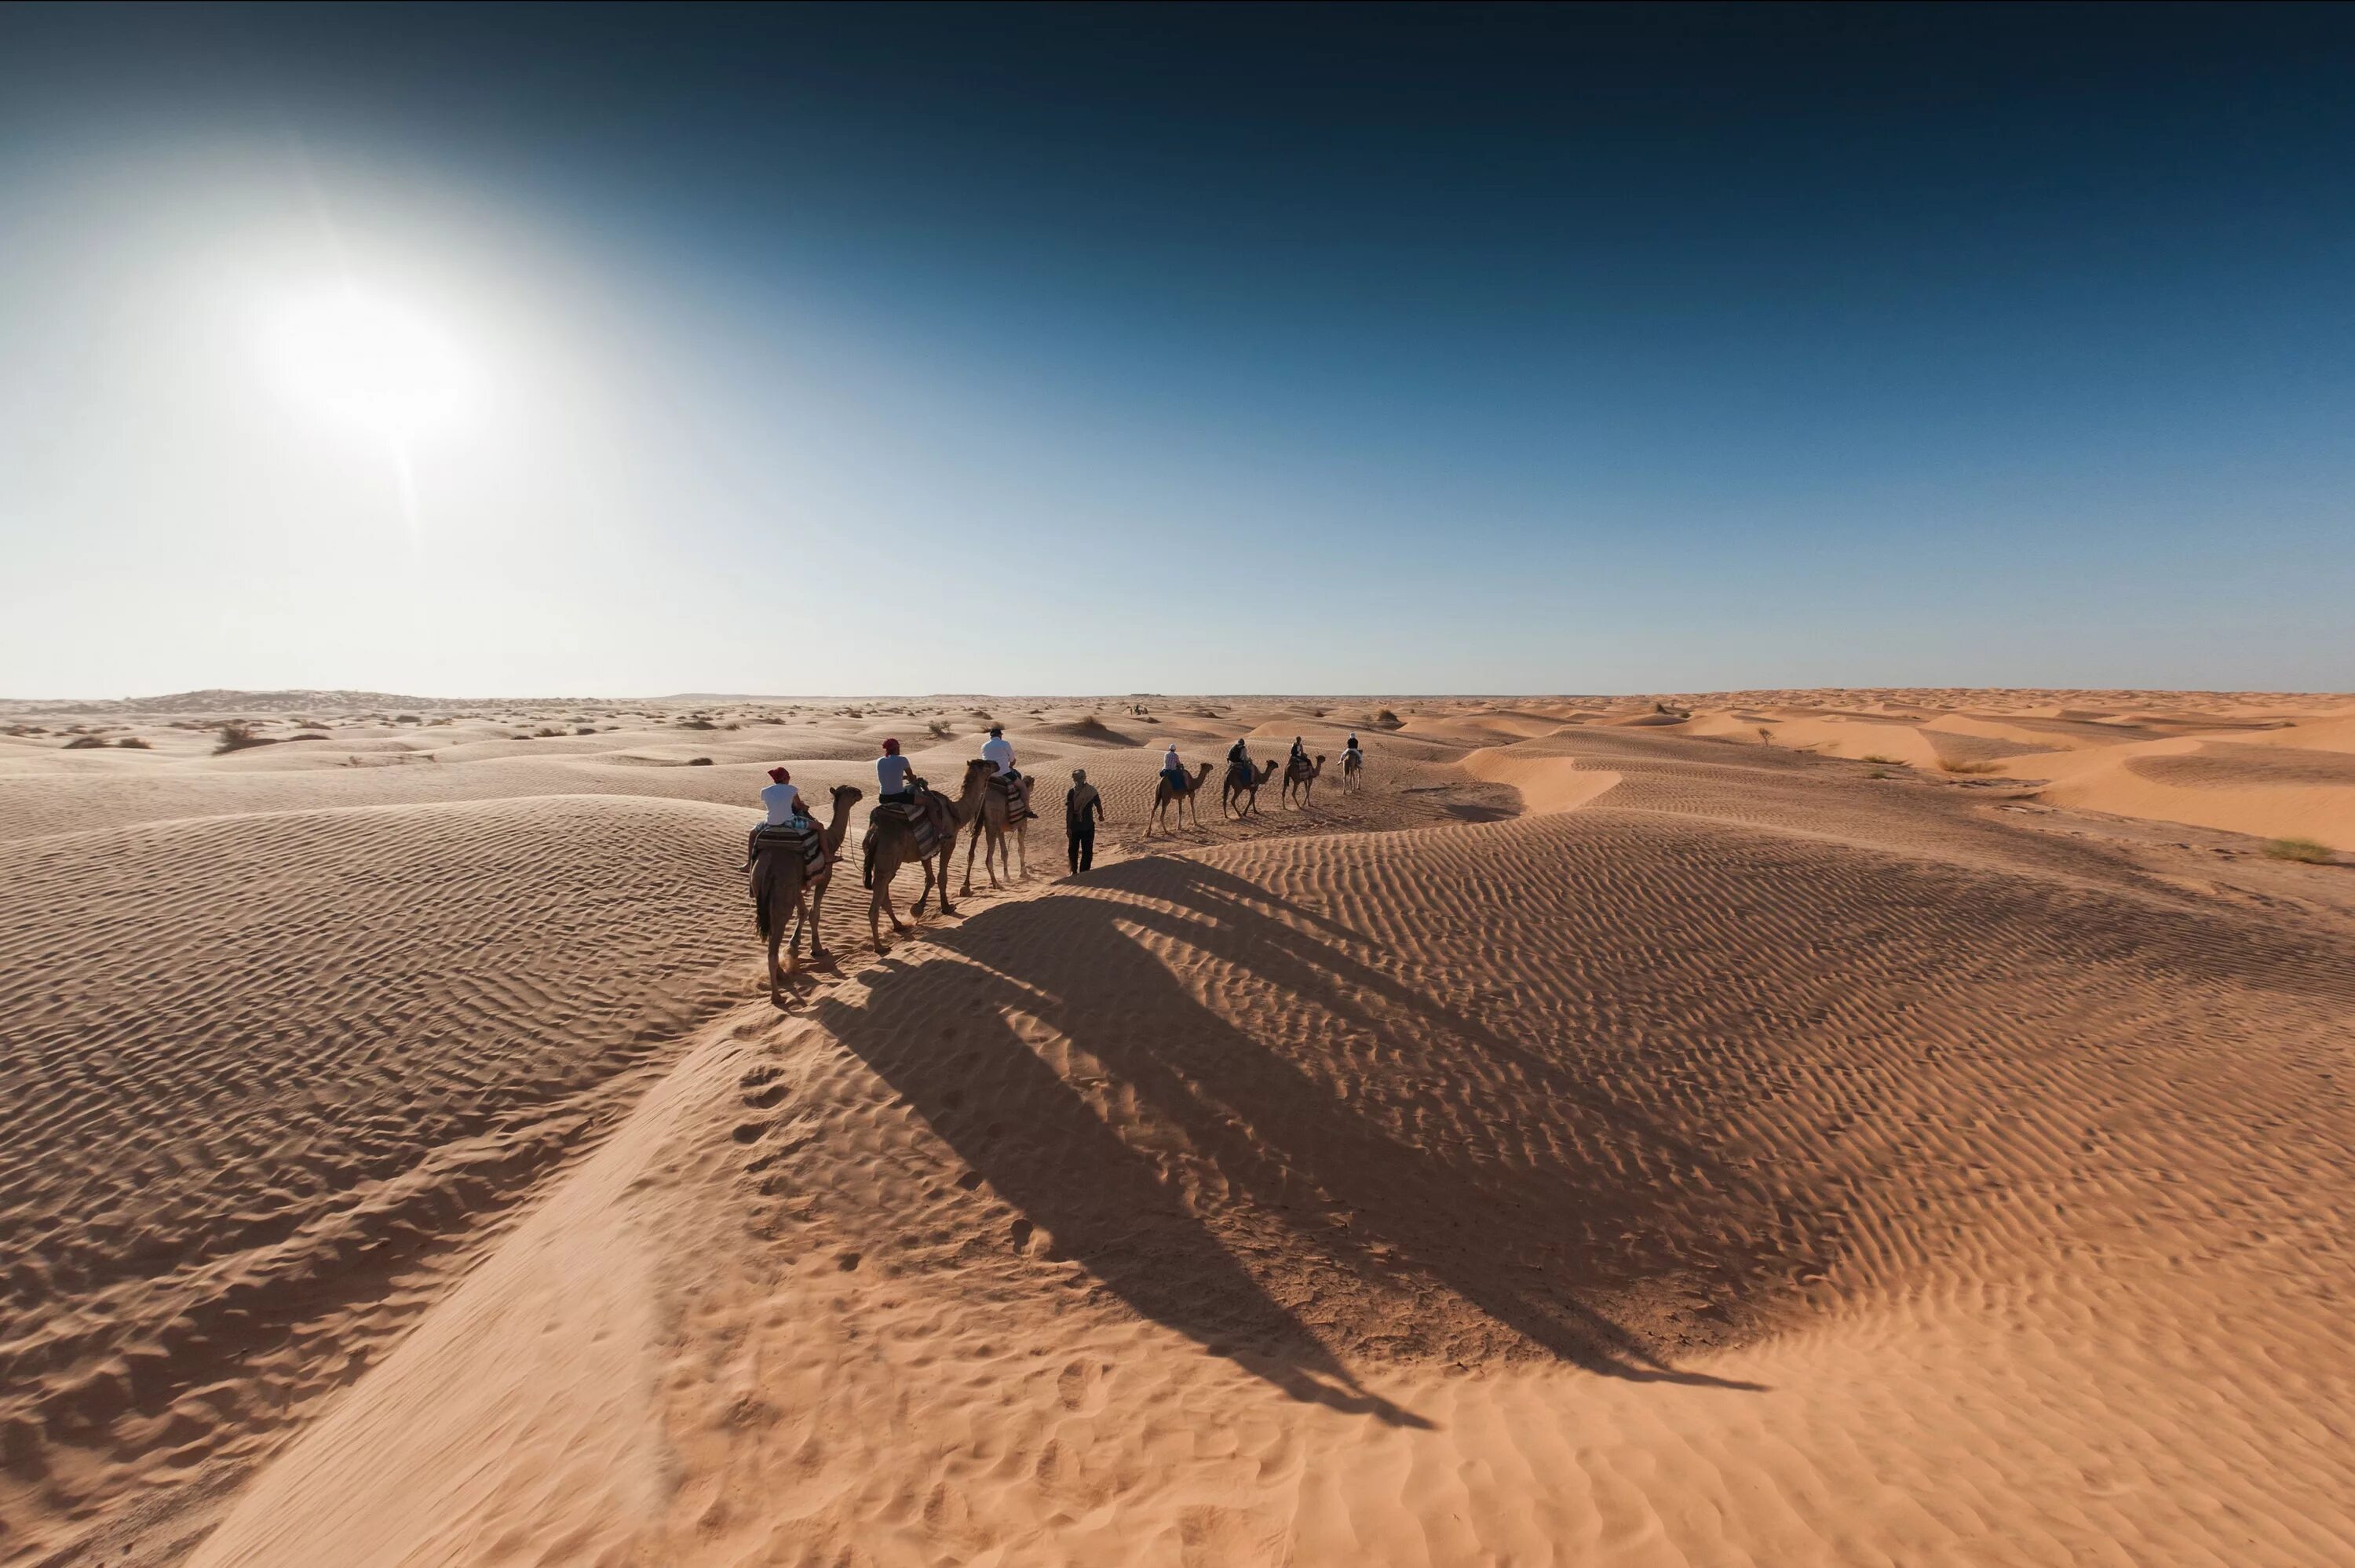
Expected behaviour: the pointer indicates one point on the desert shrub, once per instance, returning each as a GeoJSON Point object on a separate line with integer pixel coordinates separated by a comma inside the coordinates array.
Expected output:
{"type": "Point", "coordinates": [1387, 718]}
{"type": "Point", "coordinates": [699, 722]}
{"type": "Point", "coordinates": [407, 718]}
{"type": "Point", "coordinates": [584, 729]}
{"type": "Point", "coordinates": [83, 743]}
{"type": "Point", "coordinates": [1884, 762]}
{"type": "Point", "coordinates": [938, 729]}
{"type": "Point", "coordinates": [1955, 764]}
{"type": "Point", "coordinates": [133, 743]}
{"type": "Point", "coordinates": [544, 733]}
{"type": "Point", "coordinates": [1880, 773]}
{"type": "Point", "coordinates": [236, 735]}
{"type": "Point", "coordinates": [2303, 849]}
{"type": "Point", "coordinates": [698, 762]}
{"type": "Point", "coordinates": [1765, 735]}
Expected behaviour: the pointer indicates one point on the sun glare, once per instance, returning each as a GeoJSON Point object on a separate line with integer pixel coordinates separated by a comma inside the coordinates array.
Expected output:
{"type": "Point", "coordinates": [370, 360]}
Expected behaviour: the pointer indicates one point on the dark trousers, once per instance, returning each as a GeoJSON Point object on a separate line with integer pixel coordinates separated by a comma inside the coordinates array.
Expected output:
{"type": "Point", "coordinates": [1081, 843]}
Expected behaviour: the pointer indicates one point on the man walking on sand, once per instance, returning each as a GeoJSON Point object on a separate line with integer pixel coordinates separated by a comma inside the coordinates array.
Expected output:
{"type": "Point", "coordinates": [1082, 809]}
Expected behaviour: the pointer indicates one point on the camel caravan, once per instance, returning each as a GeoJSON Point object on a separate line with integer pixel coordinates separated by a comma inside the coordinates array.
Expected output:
{"type": "Point", "coordinates": [790, 857]}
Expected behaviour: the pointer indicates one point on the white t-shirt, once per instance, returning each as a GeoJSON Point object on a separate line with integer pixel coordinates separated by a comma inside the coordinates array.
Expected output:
{"type": "Point", "coordinates": [785, 803]}
{"type": "Point", "coordinates": [1169, 764]}
{"type": "Point", "coordinates": [891, 772]}
{"type": "Point", "coordinates": [1000, 752]}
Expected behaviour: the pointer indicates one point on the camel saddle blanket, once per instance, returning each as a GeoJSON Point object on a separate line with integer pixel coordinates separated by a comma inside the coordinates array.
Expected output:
{"type": "Point", "coordinates": [913, 816]}
{"type": "Point", "coordinates": [1009, 785]}
{"type": "Point", "coordinates": [790, 839]}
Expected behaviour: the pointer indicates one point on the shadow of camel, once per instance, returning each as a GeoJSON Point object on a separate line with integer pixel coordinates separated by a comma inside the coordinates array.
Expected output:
{"type": "Point", "coordinates": [1204, 1135]}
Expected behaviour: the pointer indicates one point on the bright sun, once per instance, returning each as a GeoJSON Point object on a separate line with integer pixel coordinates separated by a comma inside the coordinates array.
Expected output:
{"type": "Point", "coordinates": [369, 360]}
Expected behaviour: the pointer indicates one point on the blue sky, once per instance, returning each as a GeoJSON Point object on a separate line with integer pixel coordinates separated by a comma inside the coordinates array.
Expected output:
{"type": "Point", "coordinates": [1218, 349]}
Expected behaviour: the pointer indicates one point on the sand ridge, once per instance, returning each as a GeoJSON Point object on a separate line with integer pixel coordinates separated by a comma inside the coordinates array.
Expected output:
{"type": "Point", "coordinates": [1748, 1158]}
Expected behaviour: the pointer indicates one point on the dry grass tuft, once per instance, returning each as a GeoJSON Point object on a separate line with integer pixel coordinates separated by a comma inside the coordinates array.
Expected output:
{"type": "Point", "coordinates": [236, 735]}
{"type": "Point", "coordinates": [938, 729]}
{"type": "Point", "coordinates": [133, 743]}
{"type": "Point", "coordinates": [698, 762]}
{"type": "Point", "coordinates": [1884, 762]}
{"type": "Point", "coordinates": [1953, 765]}
{"type": "Point", "coordinates": [83, 743]}
{"type": "Point", "coordinates": [2302, 850]}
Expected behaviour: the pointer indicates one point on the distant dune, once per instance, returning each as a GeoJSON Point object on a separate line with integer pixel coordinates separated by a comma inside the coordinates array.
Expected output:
{"type": "Point", "coordinates": [1796, 1126]}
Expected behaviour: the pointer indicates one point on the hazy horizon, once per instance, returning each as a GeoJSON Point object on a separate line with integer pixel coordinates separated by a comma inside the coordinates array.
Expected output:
{"type": "Point", "coordinates": [681, 350]}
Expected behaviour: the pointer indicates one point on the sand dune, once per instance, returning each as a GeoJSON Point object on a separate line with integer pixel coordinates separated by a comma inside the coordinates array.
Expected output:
{"type": "Point", "coordinates": [1583, 1144]}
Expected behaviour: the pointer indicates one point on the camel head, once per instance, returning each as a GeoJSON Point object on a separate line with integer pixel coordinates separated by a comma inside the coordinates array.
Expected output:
{"type": "Point", "coordinates": [846, 796]}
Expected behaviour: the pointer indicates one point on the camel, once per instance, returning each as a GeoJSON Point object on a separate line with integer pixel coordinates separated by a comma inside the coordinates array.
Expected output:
{"type": "Point", "coordinates": [776, 878]}
{"type": "Point", "coordinates": [1352, 764]}
{"type": "Point", "coordinates": [893, 846]}
{"type": "Point", "coordinates": [993, 822]}
{"type": "Point", "coordinates": [1302, 775]}
{"type": "Point", "coordinates": [1181, 796]}
{"type": "Point", "coordinates": [1245, 783]}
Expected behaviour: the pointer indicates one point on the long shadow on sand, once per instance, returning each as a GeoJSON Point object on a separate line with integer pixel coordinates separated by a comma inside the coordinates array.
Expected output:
{"type": "Point", "coordinates": [1336, 1208]}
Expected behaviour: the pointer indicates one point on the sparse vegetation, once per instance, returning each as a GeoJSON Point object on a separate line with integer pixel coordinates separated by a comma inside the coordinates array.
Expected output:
{"type": "Point", "coordinates": [938, 729]}
{"type": "Point", "coordinates": [1957, 765]}
{"type": "Point", "coordinates": [2304, 851]}
{"type": "Point", "coordinates": [1765, 735]}
{"type": "Point", "coordinates": [83, 743]}
{"type": "Point", "coordinates": [133, 743]}
{"type": "Point", "coordinates": [584, 729]}
{"type": "Point", "coordinates": [698, 722]}
{"type": "Point", "coordinates": [698, 762]}
{"type": "Point", "coordinates": [238, 734]}
{"type": "Point", "coordinates": [1387, 719]}
{"type": "Point", "coordinates": [1884, 762]}
{"type": "Point", "coordinates": [1880, 773]}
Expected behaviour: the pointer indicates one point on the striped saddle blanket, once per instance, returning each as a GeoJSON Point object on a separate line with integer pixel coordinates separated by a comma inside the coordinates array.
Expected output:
{"type": "Point", "coordinates": [894, 815]}
{"type": "Point", "coordinates": [1009, 786]}
{"type": "Point", "coordinates": [793, 838]}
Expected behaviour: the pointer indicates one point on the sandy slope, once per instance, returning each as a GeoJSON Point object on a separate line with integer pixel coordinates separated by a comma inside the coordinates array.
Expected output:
{"type": "Point", "coordinates": [1736, 1158]}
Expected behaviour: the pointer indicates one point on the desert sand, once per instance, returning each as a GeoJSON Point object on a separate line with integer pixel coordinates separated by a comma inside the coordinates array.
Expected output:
{"type": "Point", "coordinates": [1855, 1127]}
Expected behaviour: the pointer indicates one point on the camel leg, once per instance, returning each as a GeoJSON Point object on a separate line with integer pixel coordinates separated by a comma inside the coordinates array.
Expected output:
{"type": "Point", "coordinates": [971, 844]}
{"type": "Point", "coordinates": [946, 855]}
{"type": "Point", "coordinates": [1022, 848]}
{"type": "Point", "coordinates": [818, 954]}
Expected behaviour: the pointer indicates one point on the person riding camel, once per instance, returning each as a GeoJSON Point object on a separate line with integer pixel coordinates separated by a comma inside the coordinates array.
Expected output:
{"type": "Point", "coordinates": [783, 802]}
{"type": "Point", "coordinates": [1299, 756]}
{"type": "Point", "coordinates": [894, 775]}
{"type": "Point", "coordinates": [1173, 770]}
{"type": "Point", "coordinates": [1351, 753]}
{"type": "Point", "coordinates": [1238, 762]}
{"type": "Point", "coordinates": [998, 752]}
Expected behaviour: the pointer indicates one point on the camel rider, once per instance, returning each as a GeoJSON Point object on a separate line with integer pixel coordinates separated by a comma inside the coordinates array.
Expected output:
{"type": "Point", "coordinates": [998, 752]}
{"type": "Point", "coordinates": [1351, 753]}
{"type": "Point", "coordinates": [1238, 762]}
{"type": "Point", "coordinates": [1299, 756]}
{"type": "Point", "coordinates": [892, 773]}
{"type": "Point", "coordinates": [783, 802]}
{"type": "Point", "coordinates": [1173, 770]}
